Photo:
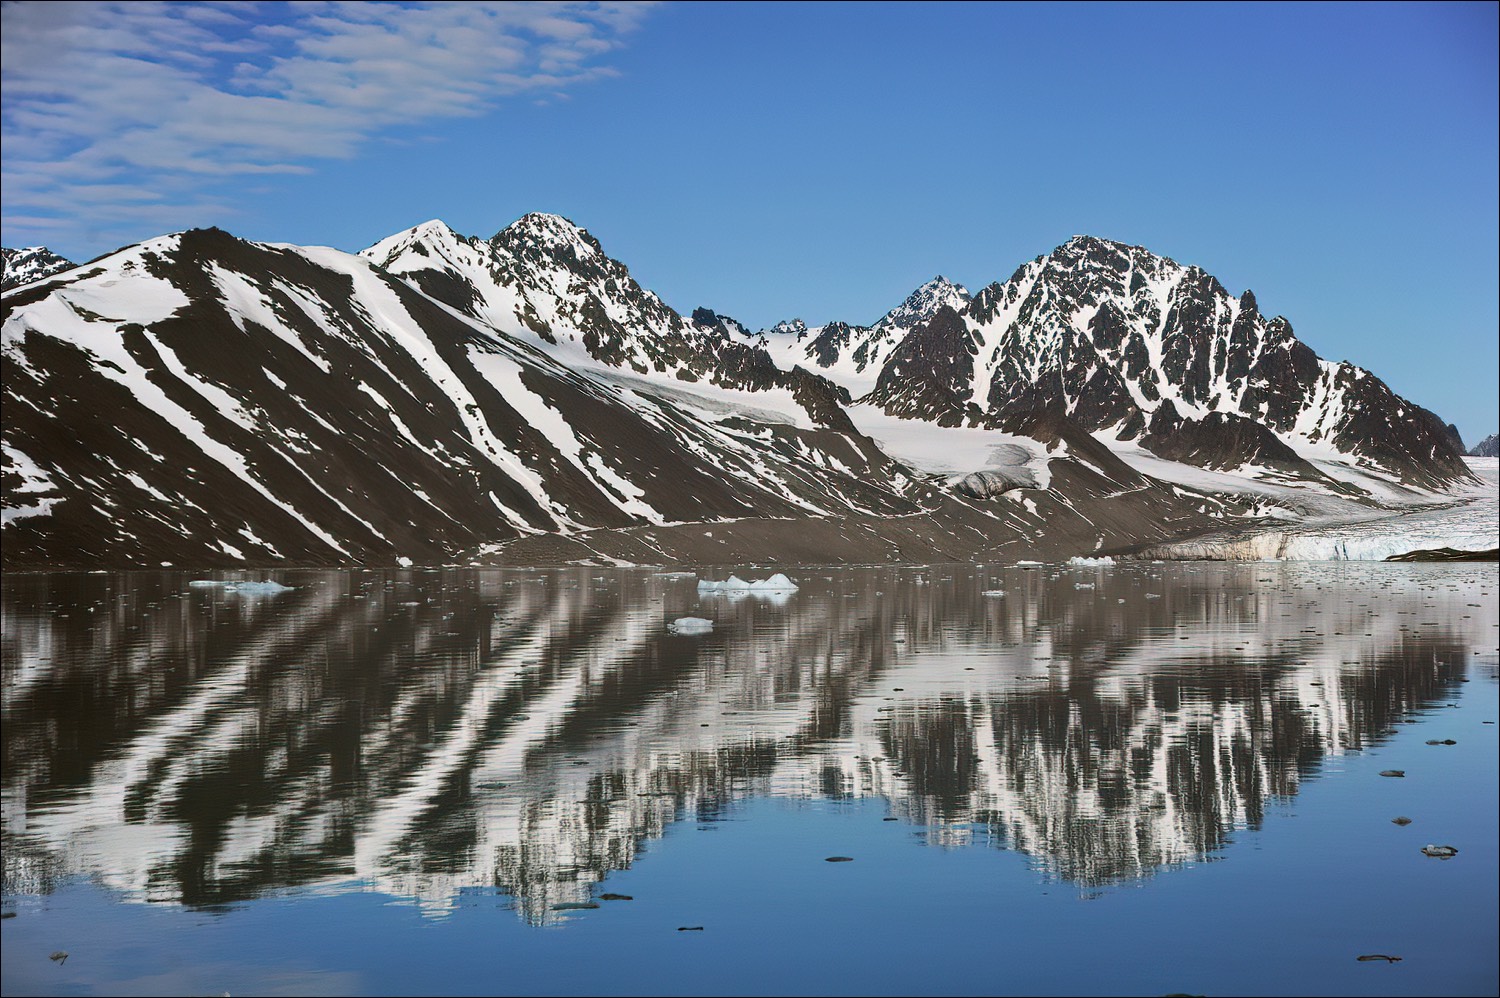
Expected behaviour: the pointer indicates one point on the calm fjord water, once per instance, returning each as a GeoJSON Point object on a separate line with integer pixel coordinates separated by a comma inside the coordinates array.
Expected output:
{"type": "Point", "coordinates": [1137, 779]}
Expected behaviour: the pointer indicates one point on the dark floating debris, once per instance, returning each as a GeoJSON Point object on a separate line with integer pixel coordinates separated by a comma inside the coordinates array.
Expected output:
{"type": "Point", "coordinates": [890, 819]}
{"type": "Point", "coordinates": [1442, 741]}
{"type": "Point", "coordinates": [574, 905]}
{"type": "Point", "coordinates": [1402, 820]}
{"type": "Point", "coordinates": [7, 914]}
{"type": "Point", "coordinates": [839, 859]}
{"type": "Point", "coordinates": [61, 957]}
{"type": "Point", "coordinates": [689, 928]}
{"type": "Point", "coordinates": [615, 897]}
{"type": "Point", "coordinates": [1393, 772]}
{"type": "Point", "coordinates": [1372, 957]}
{"type": "Point", "coordinates": [1439, 852]}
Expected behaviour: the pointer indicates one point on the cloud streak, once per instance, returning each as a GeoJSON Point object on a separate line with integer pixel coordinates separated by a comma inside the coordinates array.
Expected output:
{"type": "Point", "coordinates": [119, 112]}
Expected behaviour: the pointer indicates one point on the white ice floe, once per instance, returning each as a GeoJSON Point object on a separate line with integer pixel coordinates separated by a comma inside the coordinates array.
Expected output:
{"type": "Point", "coordinates": [777, 583]}
{"type": "Point", "coordinates": [1094, 562]}
{"type": "Point", "coordinates": [996, 593]}
{"type": "Point", "coordinates": [690, 625]}
{"type": "Point", "coordinates": [269, 588]}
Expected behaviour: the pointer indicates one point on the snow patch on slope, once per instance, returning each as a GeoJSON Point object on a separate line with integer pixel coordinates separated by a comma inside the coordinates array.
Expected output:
{"type": "Point", "coordinates": [952, 451]}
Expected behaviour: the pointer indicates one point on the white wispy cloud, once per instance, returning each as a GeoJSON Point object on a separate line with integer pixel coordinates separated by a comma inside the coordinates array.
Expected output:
{"type": "Point", "coordinates": [123, 112]}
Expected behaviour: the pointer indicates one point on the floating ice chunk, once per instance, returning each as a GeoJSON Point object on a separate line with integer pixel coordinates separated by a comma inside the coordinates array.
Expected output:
{"type": "Point", "coordinates": [997, 593]}
{"type": "Point", "coordinates": [269, 588]}
{"type": "Point", "coordinates": [1028, 564]}
{"type": "Point", "coordinates": [1105, 560]}
{"type": "Point", "coordinates": [777, 583]}
{"type": "Point", "coordinates": [690, 625]}
{"type": "Point", "coordinates": [733, 584]}
{"type": "Point", "coordinates": [674, 575]}
{"type": "Point", "coordinates": [403, 561]}
{"type": "Point", "coordinates": [1083, 585]}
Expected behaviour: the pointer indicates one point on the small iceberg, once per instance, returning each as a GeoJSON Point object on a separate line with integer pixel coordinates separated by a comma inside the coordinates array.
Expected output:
{"type": "Point", "coordinates": [1092, 562]}
{"type": "Point", "coordinates": [269, 588]}
{"type": "Point", "coordinates": [733, 584]}
{"type": "Point", "coordinates": [777, 583]}
{"type": "Point", "coordinates": [690, 625]}
{"type": "Point", "coordinates": [996, 593]}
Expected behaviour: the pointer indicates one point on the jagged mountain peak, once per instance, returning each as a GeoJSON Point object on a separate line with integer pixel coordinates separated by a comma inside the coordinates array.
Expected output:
{"type": "Point", "coordinates": [1086, 253]}
{"type": "Point", "coordinates": [431, 236]}
{"type": "Point", "coordinates": [1160, 355]}
{"type": "Point", "coordinates": [25, 264]}
{"type": "Point", "coordinates": [543, 230]}
{"type": "Point", "coordinates": [434, 228]}
{"type": "Point", "coordinates": [709, 320]}
{"type": "Point", "coordinates": [789, 327]}
{"type": "Point", "coordinates": [923, 303]}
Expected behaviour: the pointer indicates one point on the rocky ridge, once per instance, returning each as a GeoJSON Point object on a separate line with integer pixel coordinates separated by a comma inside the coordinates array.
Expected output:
{"type": "Point", "coordinates": [28, 264]}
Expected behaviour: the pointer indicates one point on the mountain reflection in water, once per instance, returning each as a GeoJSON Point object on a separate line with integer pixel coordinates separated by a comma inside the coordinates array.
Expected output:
{"type": "Point", "coordinates": [424, 733]}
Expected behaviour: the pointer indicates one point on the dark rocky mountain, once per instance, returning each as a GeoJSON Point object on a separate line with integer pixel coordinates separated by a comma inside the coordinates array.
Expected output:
{"type": "Point", "coordinates": [202, 400]}
{"type": "Point", "coordinates": [27, 264]}
{"type": "Point", "coordinates": [1147, 351]}
{"type": "Point", "coordinates": [860, 352]}
{"type": "Point", "coordinates": [1488, 447]}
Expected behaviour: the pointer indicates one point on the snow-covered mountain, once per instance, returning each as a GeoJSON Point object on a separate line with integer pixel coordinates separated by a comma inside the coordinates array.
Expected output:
{"type": "Point", "coordinates": [197, 396]}
{"type": "Point", "coordinates": [1488, 447]}
{"type": "Point", "coordinates": [1148, 353]}
{"type": "Point", "coordinates": [543, 279]}
{"type": "Point", "coordinates": [853, 356]}
{"type": "Point", "coordinates": [27, 264]}
{"type": "Point", "coordinates": [199, 399]}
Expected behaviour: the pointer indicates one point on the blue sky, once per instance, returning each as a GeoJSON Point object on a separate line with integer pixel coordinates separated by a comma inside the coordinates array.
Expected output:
{"type": "Point", "coordinates": [778, 160]}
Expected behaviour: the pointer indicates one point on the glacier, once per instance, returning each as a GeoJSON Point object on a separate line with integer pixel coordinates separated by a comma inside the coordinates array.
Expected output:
{"type": "Point", "coordinates": [1472, 523]}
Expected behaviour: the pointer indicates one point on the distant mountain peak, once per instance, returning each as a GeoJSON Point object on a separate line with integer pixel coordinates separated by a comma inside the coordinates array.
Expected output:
{"type": "Point", "coordinates": [435, 228]}
{"type": "Point", "coordinates": [1087, 252]}
{"type": "Point", "coordinates": [923, 303]}
{"type": "Point", "coordinates": [545, 230]}
{"type": "Point", "coordinates": [421, 240]}
{"type": "Point", "coordinates": [26, 264]}
{"type": "Point", "coordinates": [707, 319]}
